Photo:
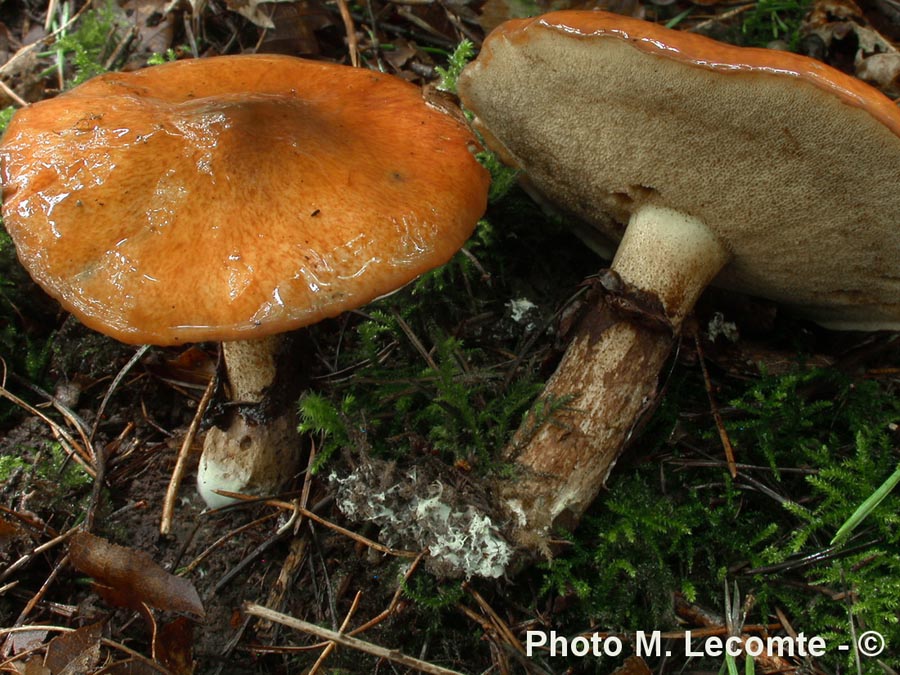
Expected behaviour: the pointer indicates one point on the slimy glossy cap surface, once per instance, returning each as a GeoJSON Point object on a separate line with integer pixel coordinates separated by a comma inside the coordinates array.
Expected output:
{"type": "Point", "coordinates": [793, 165]}
{"type": "Point", "coordinates": [234, 197]}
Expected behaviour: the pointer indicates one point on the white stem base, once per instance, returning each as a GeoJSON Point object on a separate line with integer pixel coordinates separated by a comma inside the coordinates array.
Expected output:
{"type": "Point", "coordinates": [248, 457]}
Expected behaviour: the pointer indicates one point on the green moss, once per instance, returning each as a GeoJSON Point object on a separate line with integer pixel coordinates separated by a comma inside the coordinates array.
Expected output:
{"type": "Point", "coordinates": [157, 59]}
{"type": "Point", "coordinates": [431, 594]}
{"type": "Point", "coordinates": [44, 471]}
{"type": "Point", "coordinates": [82, 52]}
{"type": "Point", "coordinates": [59, 468]}
{"type": "Point", "coordinates": [25, 352]}
{"type": "Point", "coordinates": [447, 400]}
{"type": "Point", "coordinates": [9, 465]}
{"type": "Point", "coordinates": [463, 53]}
{"type": "Point", "coordinates": [773, 20]}
{"type": "Point", "coordinates": [5, 116]}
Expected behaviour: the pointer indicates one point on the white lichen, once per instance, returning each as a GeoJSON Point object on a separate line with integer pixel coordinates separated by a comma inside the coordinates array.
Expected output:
{"type": "Point", "coordinates": [461, 540]}
{"type": "Point", "coordinates": [520, 311]}
{"type": "Point", "coordinates": [718, 326]}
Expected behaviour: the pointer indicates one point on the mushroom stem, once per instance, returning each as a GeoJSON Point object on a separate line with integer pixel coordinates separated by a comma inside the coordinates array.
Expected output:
{"type": "Point", "coordinates": [253, 455]}
{"type": "Point", "coordinates": [608, 375]}
{"type": "Point", "coordinates": [251, 366]}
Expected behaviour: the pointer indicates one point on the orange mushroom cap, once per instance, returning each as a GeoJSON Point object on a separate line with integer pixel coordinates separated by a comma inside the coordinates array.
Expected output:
{"type": "Point", "coordinates": [236, 197]}
{"type": "Point", "coordinates": [793, 165]}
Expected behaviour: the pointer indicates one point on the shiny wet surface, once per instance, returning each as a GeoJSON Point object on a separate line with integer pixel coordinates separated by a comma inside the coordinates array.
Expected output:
{"type": "Point", "coordinates": [180, 203]}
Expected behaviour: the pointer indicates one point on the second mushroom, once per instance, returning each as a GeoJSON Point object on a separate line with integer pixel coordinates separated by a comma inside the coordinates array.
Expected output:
{"type": "Point", "coordinates": [752, 169]}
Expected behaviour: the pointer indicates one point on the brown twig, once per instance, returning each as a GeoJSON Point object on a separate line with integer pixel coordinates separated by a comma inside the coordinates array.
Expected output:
{"type": "Point", "coordinates": [27, 49]}
{"type": "Point", "coordinates": [392, 607]}
{"type": "Point", "coordinates": [13, 95]}
{"type": "Point", "coordinates": [330, 647]}
{"type": "Point", "coordinates": [350, 29]}
{"type": "Point", "coordinates": [499, 624]}
{"type": "Point", "coordinates": [371, 623]}
{"type": "Point", "coordinates": [46, 546]}
{"type": "Point", "coordinates": [714, 408]}
{"type": "Point", "coordinates": [225, 537]}
{"type": "Point", "coordinates": [721, 18]}
{"type": "Point", "coordinates": [278, 503]}
{"type": "Point", "coordinates": [346, 641]}
{"type": "Point", "coordinates": [165, 525]}
{"type": "Point", "coordinates": [137, 656]}
{"type": "Point", "coordinates": [37, 597]}
{"type": "Point", "coordinates": [68, 442]}
{"type": "Point", "coordinates": [414, 340]}
{"type": "Point", "coordinates": [297, 550]}
{"type": "Point", "coordinates": [114, 385]}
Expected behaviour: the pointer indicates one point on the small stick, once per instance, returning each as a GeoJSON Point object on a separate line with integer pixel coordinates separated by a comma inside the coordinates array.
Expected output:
{"type": "Point", "coordinates": [18, 100]}
{"type": "Point", "coordinates": [331, 645]}
{"type": "Point", "coordinates": [137, 656]}
{"type": "Point", "coordinates": [225, 537]}
{"type": "Point", "coordinates": [498, 623]}
{"type": "Point", "coordinates": [278, 503]}
{"type": "Point", "coordinates": [46, 546]}
{"type": "Point", "coordinates": [350, 29]}
{"type": "Point", "coordinates": [165, 525]}
{"type": "Point", "coordinates": [346, 641]}
{"type": "Point", "coordinates": [112, 387]}
{"type": "Point", "coordinates": [413, 338]}
{"type": "Point", "coordinates": [71, 446]}
{"type": "Point", "coordinates": [42, 591]}
{"type": "Point", "coordinates": [714, 408]}
{"type": "Point", "coordinates": [374, 621]}
{"type": "Point", "coordinates": [22, 52]}
{"type": "Point", "coordinates": [721, 18]}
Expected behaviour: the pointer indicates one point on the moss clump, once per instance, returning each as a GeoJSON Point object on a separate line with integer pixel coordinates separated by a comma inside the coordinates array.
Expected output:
{"type": "Point", "coordinates": [419, 388]}
{"type": "Point", "coordinates": [773, 20]}
{"type": "Point", "coordinates": [463, 53]}
{"type": "Point", "coordinates": [46, 471]}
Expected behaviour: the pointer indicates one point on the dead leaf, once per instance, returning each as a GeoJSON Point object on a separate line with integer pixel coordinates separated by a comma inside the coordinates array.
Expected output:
{"type": "Point", "coordinates": [173, 646]}
{"type": "Point", "coordinates": [156, 27]}
{"type": "Point", "coordinates": [296, 28]}
{"type": "Point", "coordinates": [398, 57]}
{"type": "Point", "coordinates": [836, 21]}
{"type": "Point", "coordinates": [8, 530]}
{"type": "Point", "coordinates": [34, 666]}
{"type": "Point", "coordinates": [252, 10]}
{"type": "Point", "coordinates": [193, 366]}
{"type": "Point", "coordinates": [26, 640]}
{"type": "Point", "coordinates": [74, 653]}
{"type": "Point", "coordinates": [130, 578]}
{"type": "Point", "coordinates": [882, 71]}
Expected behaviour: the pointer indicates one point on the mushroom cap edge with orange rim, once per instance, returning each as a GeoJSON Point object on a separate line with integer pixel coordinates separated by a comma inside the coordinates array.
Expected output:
{"type": "Point", "coordinates": [236, 197]}
{"type": "Point", "coordinates": [793, 165]}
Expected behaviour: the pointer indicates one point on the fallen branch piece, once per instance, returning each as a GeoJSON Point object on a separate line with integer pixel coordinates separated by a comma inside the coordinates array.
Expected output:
{"type": "Point", "coordinates": [345, 641]}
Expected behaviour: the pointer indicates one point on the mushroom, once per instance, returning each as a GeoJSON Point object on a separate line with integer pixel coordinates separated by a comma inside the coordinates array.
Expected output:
{"type": "Point", "coordinates": [756, 170]}
{"type": "Point", "coordinates": [234, 199]}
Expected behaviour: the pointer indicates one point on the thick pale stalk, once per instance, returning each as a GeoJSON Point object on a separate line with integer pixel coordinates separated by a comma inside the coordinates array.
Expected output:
{"type": "Point", "coordinates": [253, 455]}
{"type": "Point", "coordinates": [251, 366]}
{"type": "Point", "coordinates": [609, 373]}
